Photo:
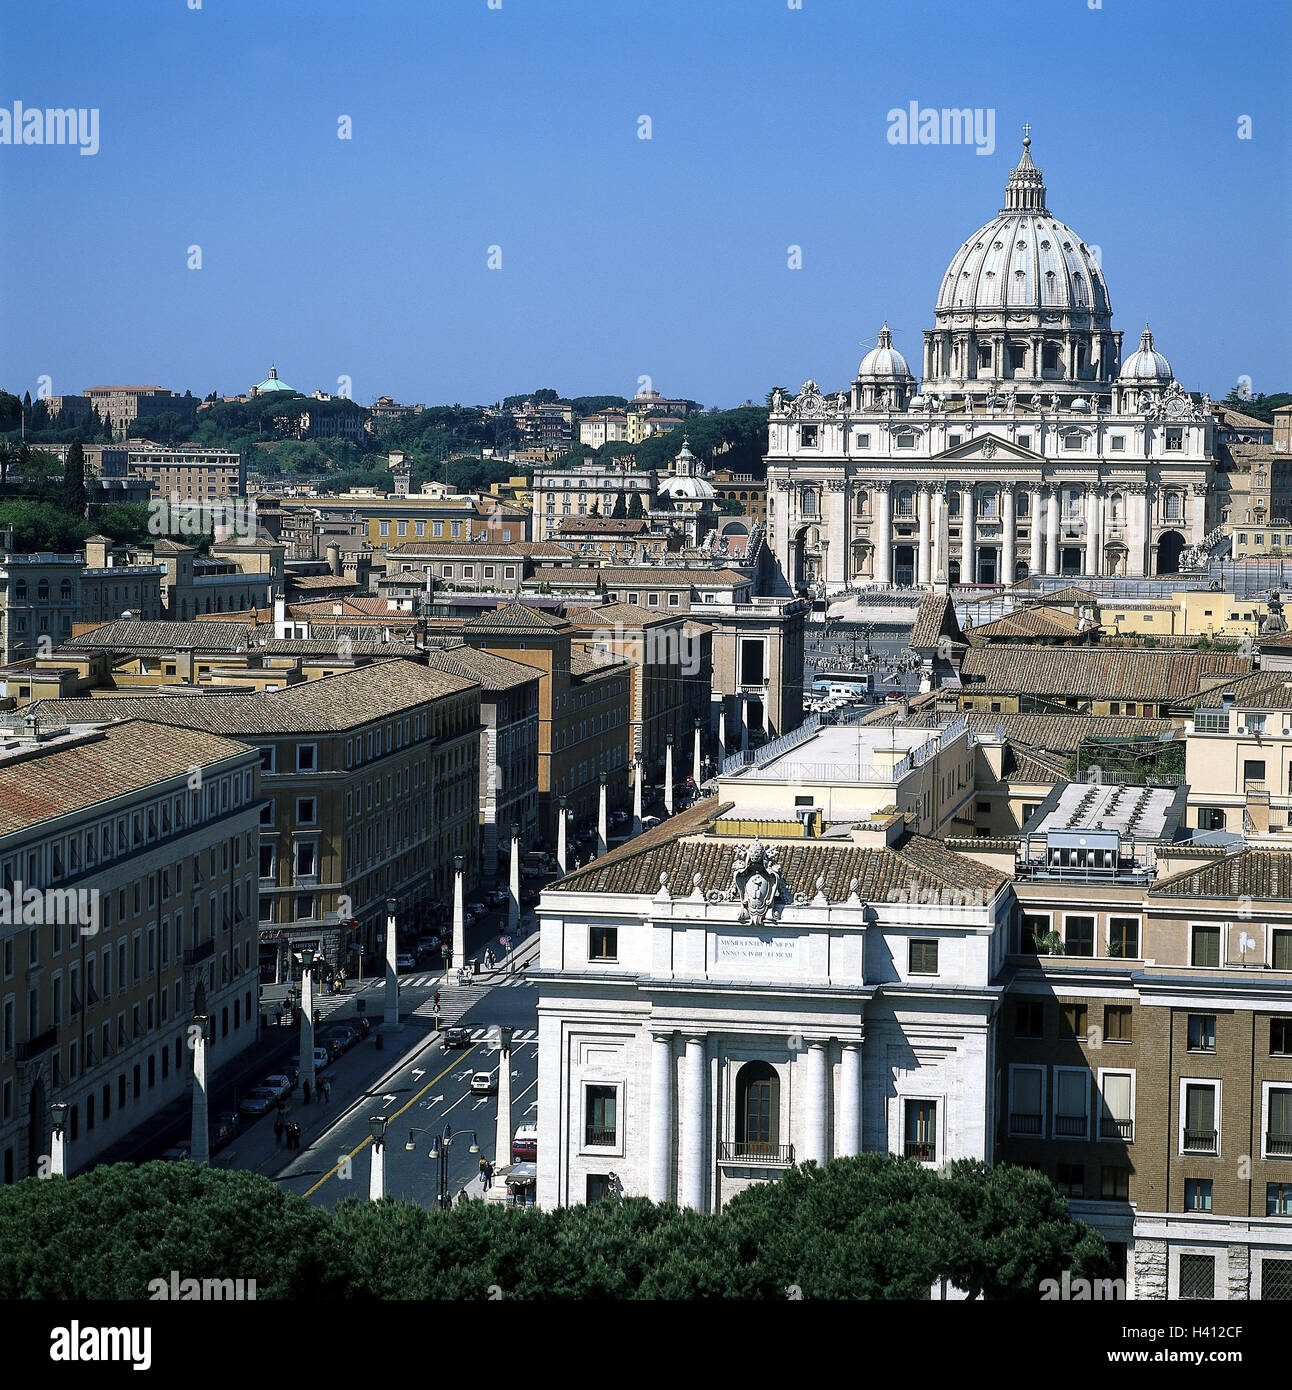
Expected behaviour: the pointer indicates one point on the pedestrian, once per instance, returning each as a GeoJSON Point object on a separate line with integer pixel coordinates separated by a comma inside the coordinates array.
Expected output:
{"type": "Point", "coordinates": [278, 1130]}
{"type": "Point", "coordinates": [327, 1089]}
{"type": "Point", "coordinates": [305, 1091]}
{"type": "Point", "coordinates": [484, 1174]}
{"type": "Point", "coordinates": [278, 1014]}
{"type": "Point", "coordinates": [318, 1017]}
{"type": "Point", "coordinates": [296, 1135]}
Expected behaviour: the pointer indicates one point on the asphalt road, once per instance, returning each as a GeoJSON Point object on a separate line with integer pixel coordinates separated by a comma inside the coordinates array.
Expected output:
{"type": "Point", "coordinates": [429, 1091]}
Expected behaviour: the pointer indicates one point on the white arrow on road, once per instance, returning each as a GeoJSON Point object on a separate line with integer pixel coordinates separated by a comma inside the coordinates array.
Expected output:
{"type": "Point", "coordinates": [434, 1100]}
{"type": "Point", "coordinates": [388, 1099]}
{"type": "Point", "coordinates": [419, 1072]}
{"type": "Point", "coordinates": [533, 1105]}
{"type": "Point", "coordinates": [462, 1076]}
{"type": "Point", "coordinates": [480, 1102]}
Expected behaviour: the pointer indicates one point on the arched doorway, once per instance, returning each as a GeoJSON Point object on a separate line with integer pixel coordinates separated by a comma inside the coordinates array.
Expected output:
{"type": "Point", "coordinates": [1115, 557]}
{"type": "Point", "coordinates": [1021, 570]}
{"type": "Point", "coordinates": [1169, 546]}
{"type": "Point", "coordinates": [1070, 559]}
{"type": "Point", "coordinates": [758, 1110]}
{"type": "Point", "coordinates": [39, 1127]}
{"type": "Point", "coordinates": [860, 558]}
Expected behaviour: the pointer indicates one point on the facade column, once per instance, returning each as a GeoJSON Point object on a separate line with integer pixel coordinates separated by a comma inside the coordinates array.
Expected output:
{"type": "Point", "coordinates": [200, 1143]}
{"type": "Point", "coordinates": [1092, 530]}
{"type": "Point", "coordinates": [1137, 530]}
{"type": "Point", "coordinates": [837, 555]}
{"type": "Point", "coordinates": [668, 773]}
{"type": "Point", "coordinates": [937, 524]}
{"type": "Point", "coordinates": [743, 713]}
{"type": "Point", "coordinates": [513, 890]}
{"type": "Point", "coordinates": [1052, 532]}
{"type": "Point", "coordinates": [694, 1150]}
{"type": "Point", "coordinates": [968, 523]}
{"type": "Point", "coordinates": [924, 558]}
{"type": "Point", "coordinates": [848, 1135]}
{"type": "Point", "coordinates": [814, 1128]}
{"type": "Point", "coordinates": [883, 566]}
{"type": "Point", "coordinates": [1198, 513]}
{"type": "Point", "coordinates": [1036, 507]}
{"type": "Point", "coordinates": [603, 823]}
{"type": "Point", "coordinates": [1008, 538]}
{"type": "Point", "coordinates": [392, 986]}
{"type": "Point", "coordinates": [661, 1116]}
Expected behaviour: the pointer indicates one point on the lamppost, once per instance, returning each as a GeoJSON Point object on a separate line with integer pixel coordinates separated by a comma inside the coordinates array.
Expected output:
{"type": "Point", "coordinates": [439, 1150]}
{"type": "Point", "coordinates": [58, 1141]}
{"type": "Point", "coordinates": [377, 1176]}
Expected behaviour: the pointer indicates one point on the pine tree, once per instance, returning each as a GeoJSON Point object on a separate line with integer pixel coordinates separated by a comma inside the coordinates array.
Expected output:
{"type": "Point", "coordinates": [75, 499]}
{"type": "Point", "coordinates": [620, 508]}
{"type": "Point", "coordinates": [635, 508]}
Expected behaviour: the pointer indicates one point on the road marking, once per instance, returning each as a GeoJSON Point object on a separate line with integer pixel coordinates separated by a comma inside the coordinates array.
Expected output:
{"type": "Point", "coordinates": [387, 1099]}
{"type": "Point", "coordinates": [418, 1072]}
{"type": "Point", "coordinates": [368, 1140]}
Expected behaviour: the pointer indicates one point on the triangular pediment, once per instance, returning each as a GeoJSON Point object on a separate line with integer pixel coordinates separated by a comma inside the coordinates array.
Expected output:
{"type": "Point", "coordinates": [989, 449]}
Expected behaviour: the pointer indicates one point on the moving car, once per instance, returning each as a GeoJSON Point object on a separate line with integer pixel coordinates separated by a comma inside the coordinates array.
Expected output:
{"type": "Point", "coordinates": [524, 1144]}
{"type": "Point", "coordinates": [404, 961]}
{"type": "Point", "coordinates": [279, 1083]}
{"type": "Point", "coordinates": [477, 907]}
{"type": "Point", "coordinates": [455, 1038]}
{"type": "Point", "coordinates": [482, 1083]}
{"type": "Point", "coordinates": [258, 1101]}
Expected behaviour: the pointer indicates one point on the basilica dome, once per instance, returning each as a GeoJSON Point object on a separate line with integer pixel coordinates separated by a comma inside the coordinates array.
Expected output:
{"type": "Point", "coordinates": [1024, 258]}
{"type": "Point", "coordinates": [1146, 363]}
{"type": "Point", "coordinates": [686, 483]}
{"type": "Point", "coordinates": [884, 360]}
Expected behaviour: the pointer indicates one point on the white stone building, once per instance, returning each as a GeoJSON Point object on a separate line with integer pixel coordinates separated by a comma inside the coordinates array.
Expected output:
{"type": "Point", "coordinates": [1029, 447]}
{"type": "Point", "coordinates": [724, 997]}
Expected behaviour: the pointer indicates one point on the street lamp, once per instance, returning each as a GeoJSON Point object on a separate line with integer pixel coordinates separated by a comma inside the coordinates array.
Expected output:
{"type": "Point", "coordinates": [58, 1145]}
{"type": "Point", "coordinates": [439, 1150]}
{"type": "Point", "coordinates": [377, 1179]}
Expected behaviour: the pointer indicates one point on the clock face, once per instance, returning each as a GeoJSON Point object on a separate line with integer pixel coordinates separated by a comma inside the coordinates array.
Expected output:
{"type": "Point", "coordinates": [1175, 407]}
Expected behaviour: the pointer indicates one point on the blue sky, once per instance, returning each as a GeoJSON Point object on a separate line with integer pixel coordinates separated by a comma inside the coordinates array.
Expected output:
{"type": "Point", "coordinates": [621, 257]}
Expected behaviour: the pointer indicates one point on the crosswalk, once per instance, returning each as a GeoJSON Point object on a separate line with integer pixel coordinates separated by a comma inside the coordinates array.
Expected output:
{"type": "Point", "coordinates": [521, 1035]}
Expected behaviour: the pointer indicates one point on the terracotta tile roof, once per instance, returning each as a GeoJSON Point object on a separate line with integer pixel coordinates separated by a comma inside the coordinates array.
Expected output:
{"type": "Point", "coordinates": [126, 635]}
{"type": "Point", "coordinates": [1023, 764]}
{"type": "Point", "coordinates": [544, 550]}
{"type": "Point", "coordinates": [610, 525]}
{"type": "Point", "coordinates": [516, 616]}
{"type": "Point", "coordinates": [1252, 873]}
{"type": "Point", "coordinates": [1030, 622]}
{"type": "Point", "coordinates": [1072, 594]}
{"type": "Point", "coordinates": [1260, 690]}
{"type": "Point", "coordinates": [571, 576]}
{"type": "Point", "coordinates": [482, 548]}
{"type": "Point", "coordinates": [584, 662]}
{"type": "Point", "coordinates": [490, 671]}
{"type": "Point", "coordinates": [354, 606]}
{"type": "Point", "coordinates": [1059, 733]}
{"type": "Point", "coordinates": [679, 848]}
{"type": "Point", "coordinates": [646, 575]}
{"type": "Point", "coordinates": [935, 620]}
{"type": "Point", "coordinates": [1105, 673]}
{"type": "Point", "coordinates": [330, 704]}
{"type": "Point", "coordinates": [630, 615]}
{"type": "Point", "coordinates": [127, 758]}
{"type": "Point", "coordinates": [319, 581]}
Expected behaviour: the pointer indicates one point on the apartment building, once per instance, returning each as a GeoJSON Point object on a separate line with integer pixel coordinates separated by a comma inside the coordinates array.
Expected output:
{"type": "Point", "coordinates": [386, 522]}
{"type": "Point", "coordinates": [139, 849]}
{"type": "Point", "coordinates": [584, 711]}
{"type": "Point", "coordinates": [370, 780]}
{"type": "Point", "coordinates": [236, 577]}
{"type": "Point", "coordinates": [124, 405]}
{"type": "Point", "coordinates": [1238, 757]}
{"type": "Point", "coordinates": [572, 492]}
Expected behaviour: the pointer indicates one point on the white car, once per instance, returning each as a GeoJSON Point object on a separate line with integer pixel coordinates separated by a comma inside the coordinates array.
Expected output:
{"type": "Point", "coordinates": [482, 1083]}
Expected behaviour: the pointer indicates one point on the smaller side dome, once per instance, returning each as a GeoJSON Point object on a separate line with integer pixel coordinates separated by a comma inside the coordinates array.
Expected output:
{"type": "Point", "coordinates": [884, 361]}
{"type": "Point", "coordinates": [1146, 363]}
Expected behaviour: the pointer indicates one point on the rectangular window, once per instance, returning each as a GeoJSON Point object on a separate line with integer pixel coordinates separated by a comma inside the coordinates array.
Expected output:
{"type": "Point", "coordinates": [603, 943]}
{"type": "Point", "coordinates": [1202, 1033]}
{"type": "Point", "coordinates": [1197, 1194]}
{"type": "Point", "coordinates": [306, 810]}
{"type": "Point", "coordinates": [1116, 1119]}
{"type": "Point", "coordinates": [1070, 1179]}
{"type": "Point", "coordinates": [1278, 1122]}
{"type": "Point", "coordinates": [1200, 1133]}
{"type": "Point", "coordinates": [1280, 1037]}
{"type": "Point", "coordinates": [1029, 1019]}
{"type": "Point", "coordinates": [1117, 443]}
{"type": "Point", "coordinates": [921, 1118]}
{"type": "Point", "coordinates": [1197, 1277]}
{"type": "Point", "coordinates": [600, 1105]}
{"type": "Point", "coordinates": [1114, 1182]}
{"type": "Point", "coordinates": [1123, 937]}
{"type": "Point", "coordinates": [1072, 1021]}
{"type": "Point", "coordinates": [1206, 946]}
{"type": "Point", "coordinates": [1174, 439]}
{"type": "Point", "coordinates": [1078, 936]}
{"type": "Point", "coordinates": [1281, 949]}
{"type": "Point", "coordinates": [1117, 1023]}
{"type": "Point", "coordinates": [1071, 1093]}
{"type": "Point", "coordinates": [923, 958]}
{"type": "Point", "coordinates": [1027, 1101]}
{"type": "Point", "coordinates": [1278, 1199]}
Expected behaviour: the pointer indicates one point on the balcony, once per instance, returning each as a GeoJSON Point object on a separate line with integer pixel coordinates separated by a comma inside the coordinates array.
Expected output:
{"type": "Point", "coordinates": [197, 954]}
{"type": "Point", "coordinates": [603, 1135]}
{"type": "Point", "coordinates": [35, 1047]}
{"type": "Point", "coordinates": [1200, 1141]}
{"type": "Point", "coordinates": [923, 1151]}
{"type": "Point", "coordinates": [1069, 1126]}
{"type": "Point", "coordinates": [1117, 1129]}
{"type": "Point", "coordinates": [1024, 1124]}
{"type": "Point", "coordinates": [773, 1155]}
{"type": "Point", "coordinates": [1278, 1145]}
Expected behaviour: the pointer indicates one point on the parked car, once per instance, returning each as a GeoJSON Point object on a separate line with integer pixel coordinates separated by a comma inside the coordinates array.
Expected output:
{"type": "Point", "coordinates": [498, 896]}
{"type": "Point", "coordinates": [278, 1082]}
{"type": "Point", "coordinates": [649, 822]}
{"type": "Point", "coordinates": [478, 908]}
{"type": "Point", "coordinates": [339, 1038]}
{"type": "Point", "coordinates": [321, 1058]}
{"type": "Point", "coordinates": [619, 818]}
{"type": "Point", "coordinates": [223, 1128]}
{"type": "Point", "coordinates": [455, 1038]}
{"type": "Point", "coordinates": [482, 1083]}
{"type": "Point", "coordinates": [405, 961]}
{"type": "Point", "coordinates": [258, 1101]}
{"type": "Point", "coordinates": [524, 1144]}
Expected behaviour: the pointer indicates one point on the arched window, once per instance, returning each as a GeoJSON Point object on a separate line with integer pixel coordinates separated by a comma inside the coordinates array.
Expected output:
{"type": "Point", "coordinates": [988, 504]}
{"type": "Point", "coordinates": [809, 502]}
{"type": "Point", "coordinates": [953, 503]}
{"type": "Point", "coordinates": [1173, 506]}
{"type": "Point", "coordinates": [862, 500]}
{"type": "Point", "coordinates": [906, 502]}
{"type": "Point", "coordinates": [1117, 506]}
{"type": "Point", "coordinates": [758, 1107]}
{"type": "Point", "coordinates": [65, 590]}
{"type": "Point", "coordinates": [1022, 504]}
{"type": "Point", "coordinates": [1071, 502]}
{"type": "Point", "coordinates": [42, 589]}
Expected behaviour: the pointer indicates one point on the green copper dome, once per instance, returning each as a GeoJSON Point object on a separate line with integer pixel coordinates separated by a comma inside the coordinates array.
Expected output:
{"type": "Point", "coordinates": [271, 383]}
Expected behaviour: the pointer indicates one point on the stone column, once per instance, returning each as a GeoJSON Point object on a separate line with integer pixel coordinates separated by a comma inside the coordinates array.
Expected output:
{"type": "Point", "coordinates": [1092, 530]}
{"type": "Point", "coordinates": [815, 1102]}
{"type": "Point", "coordinates": [744, 722]}
{"type": "Point", "coordinates": [392, 987]}
{"type": "Point", "coordinates": [513, 890]}
{"type": "Point", "coordinates": [697, 767]}
{"type": "Point", "coordinates": [968, 524]}
{"type": "Point", "coordinates": [200, 1144]}
{"type": "Point", "coordinates": [637, 791]}
{"type": "Point", "coordinates": [837, 555]}
{"type": "Point", "coordinates": [1036, 506]}
{"type": "Point", "coordinates": [661, 1116]}
{"type": "Point", "coordinates": [603, 819]}
{"type": "Point", "coordinates": [694, 1146]}
{"type": "Point", "coordinates": [377, 1173]}
{"type": "Point", "coordinates": [459, 916]}
{"type": "Point", "coordinates": [502, 1124]}
{"type": "Point", "coordinates": [1052, 562]}
{"type": "Point", "coordinates": [668, 773]}
{"type": "Point", "coordinates": [883, 535]}
{"type": "Point", "coordinates": [848, 1137]}
{"type": "Point", "coordinates": [1137, 530]}
{"type": "Point", "coordinates": [722, 731]}
{"type": "Point", "coordinates": [937, 525]}
{"type": "Point", "coordinates": [1198, 513]}
{"type": "Point", "coordinates": [562, 853]}
{"type": "Point", "coordinates": [1008, 538]}
{"type": "Point", "coordinates": [924, 558]}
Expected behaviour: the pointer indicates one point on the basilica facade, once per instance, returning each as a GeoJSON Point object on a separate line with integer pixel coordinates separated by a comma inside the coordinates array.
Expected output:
{"type": "Point", "coordinates": [1028, 447]}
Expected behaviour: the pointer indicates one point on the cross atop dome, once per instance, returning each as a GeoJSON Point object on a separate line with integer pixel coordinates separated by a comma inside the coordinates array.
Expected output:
{"type": "Point", "coordinates": [1025, 191]}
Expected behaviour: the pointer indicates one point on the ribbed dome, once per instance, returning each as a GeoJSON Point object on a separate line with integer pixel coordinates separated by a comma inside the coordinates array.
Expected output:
{"type": "Point", "coordinates": [1024, 258]}
{"type": "Point", "coordinates": [1146, 363]}
{"type": "Point", "coordinates": [884, 360]}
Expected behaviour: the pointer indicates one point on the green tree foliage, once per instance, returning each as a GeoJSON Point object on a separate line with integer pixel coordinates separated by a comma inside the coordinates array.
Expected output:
{"type": "Point", "coordinates": [75, 499]}
{"type": "Point", "coordinates": [635, 509]}
{"type": "Point", "coordinates": [621, 506]}
{"type": "Point", "coordinates": [108, 1233]}
{"type": "Point", "coordinates": [1258, 405]}
{"type": "Point", "coordinates": [123, 522]}
{"type": "Point", "coordinates": [42, 526]}
{"type": "Point", "coordinates": [590, 405]}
